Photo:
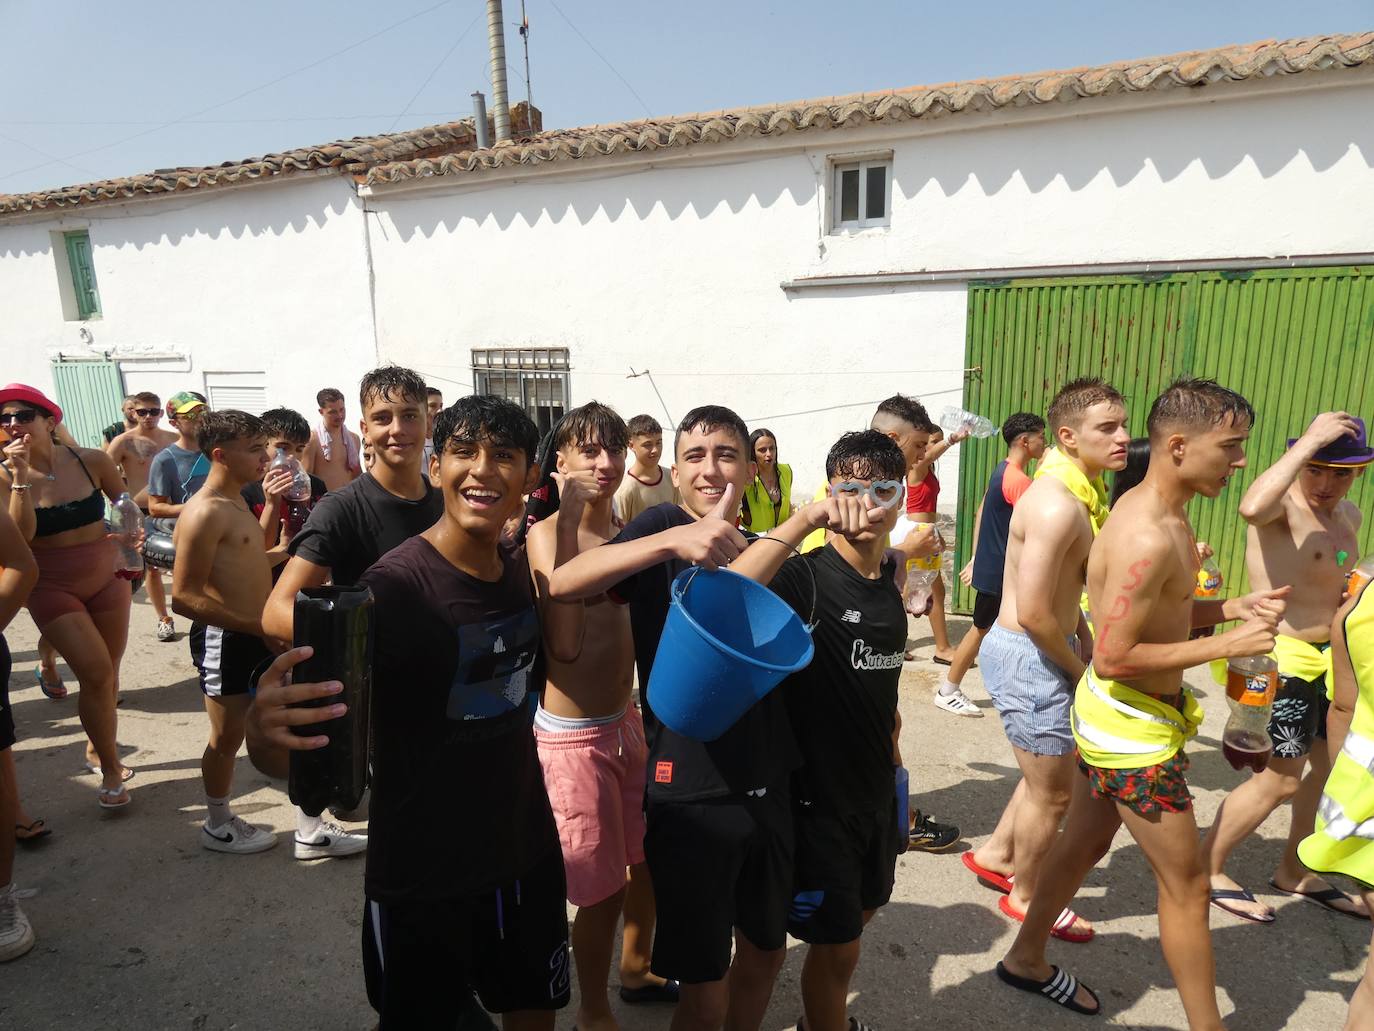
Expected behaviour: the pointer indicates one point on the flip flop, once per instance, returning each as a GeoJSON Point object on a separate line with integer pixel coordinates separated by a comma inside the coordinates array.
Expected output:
{"type": "Point", "coordinates": [667, 992]}
{"type": "Point", "coordinates": [1324, 898]}
{"type": "Point", "coordinates": [105, 797]}
{"type": "Point", "coordinates": [1063, 925]}
{"type": "Point", "coordinates": [128, 775]}
{"type": "Point", "coordinates": [1060, 988]}
{"type": "Point", "coordinates": [57, 693]}
{"type": "Point", "coordinates": [992, 878]}
{"type": "Point", "coordinates": [1220, 896]}
{"type": "Point", "coordinates": [31, 833]}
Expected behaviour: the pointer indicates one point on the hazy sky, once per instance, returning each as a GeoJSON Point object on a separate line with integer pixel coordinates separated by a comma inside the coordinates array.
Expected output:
{"type": "Point", "coordinates": [98, 90]}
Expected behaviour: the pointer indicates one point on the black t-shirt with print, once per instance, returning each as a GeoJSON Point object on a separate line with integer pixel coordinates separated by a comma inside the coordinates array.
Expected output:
{"type": "Point", "coordinates": [352, 527]}
{"type": "Point", "coordinates": [757, 752]}
{"type": "Point", "coordinates": [843, 705]}
{"type": "Point", "coordinates": [458, 801]}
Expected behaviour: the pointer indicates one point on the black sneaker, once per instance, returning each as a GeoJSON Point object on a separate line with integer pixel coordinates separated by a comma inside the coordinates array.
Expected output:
{"type": "Point", "coordinates": [928, 836]}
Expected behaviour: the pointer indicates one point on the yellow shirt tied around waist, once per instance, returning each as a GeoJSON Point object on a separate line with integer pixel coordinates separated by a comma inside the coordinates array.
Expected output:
{"type": "Point", "coordinates": [1344, 839]}
{"type": "Point", "coordinates": [1119, 728]}
{"type": "Point", "coordinates": [1295, 658]}
{"type": "Point", "coordinates": [1093, 493]}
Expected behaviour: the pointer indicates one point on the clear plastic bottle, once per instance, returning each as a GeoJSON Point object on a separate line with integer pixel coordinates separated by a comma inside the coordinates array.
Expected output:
{"type": "Point", "coordinates": [921, 574]}
{"type": "Point", "coordinates": [296, 503]}
{"type": "Point", "coordinates": [1251, 681]}
{"type": "Point", "coordinates": [954, 419]}
{"type": "Point", "coordinates": [126, 522]}
{"type": "Point", "coordinates": [1209, 582]}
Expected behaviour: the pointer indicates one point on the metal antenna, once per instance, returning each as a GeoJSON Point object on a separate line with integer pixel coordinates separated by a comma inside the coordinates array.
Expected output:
{"type": "Point", "coordinates": [529, 93]}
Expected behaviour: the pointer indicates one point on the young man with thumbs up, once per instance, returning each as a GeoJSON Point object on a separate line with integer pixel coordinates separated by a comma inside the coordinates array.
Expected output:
{"type": "Point", "coordinates": [719, 839]}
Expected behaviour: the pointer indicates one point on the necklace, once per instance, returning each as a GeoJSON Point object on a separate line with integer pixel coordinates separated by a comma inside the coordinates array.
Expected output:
{"type": "Point", "coordinates": [224, 497]}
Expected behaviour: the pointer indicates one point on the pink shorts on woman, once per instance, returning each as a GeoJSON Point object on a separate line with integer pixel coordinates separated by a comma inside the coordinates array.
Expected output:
{"type": "Point", "coordinates": [594, 774]}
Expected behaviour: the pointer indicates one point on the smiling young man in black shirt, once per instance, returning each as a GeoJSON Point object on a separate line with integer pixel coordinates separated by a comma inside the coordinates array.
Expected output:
{"type": "Point", "coordinates": [843, 708]}
{"type": "Point", "coordinates": [473, 899]}
{"type": "Point", "coordinates": [719, 819]}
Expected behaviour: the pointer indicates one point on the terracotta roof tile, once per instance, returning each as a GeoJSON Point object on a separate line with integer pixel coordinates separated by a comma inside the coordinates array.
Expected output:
{"type": "Point", "coordinates": [1194, 68]}
{"type": "Point", "coordinates": [351, 156]}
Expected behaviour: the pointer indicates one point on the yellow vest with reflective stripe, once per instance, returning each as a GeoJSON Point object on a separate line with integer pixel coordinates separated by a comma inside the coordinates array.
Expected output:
{"type": "Point", "coordinates": [1119, 728]}
{"type": "Point", "coordinates": [1344, 839]}
{"type": "Point", "coordinates": [761, 515]}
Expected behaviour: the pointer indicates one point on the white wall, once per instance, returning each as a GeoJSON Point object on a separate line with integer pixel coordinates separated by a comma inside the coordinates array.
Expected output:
{"type": "Point", "coordinates": [677, 267]}
{"type": "Point", "coordinates": [268, 279]}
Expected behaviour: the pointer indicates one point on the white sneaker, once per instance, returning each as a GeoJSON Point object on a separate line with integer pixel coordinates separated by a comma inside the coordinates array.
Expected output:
{"type": "Point", "coordinates": [958, 703]}
{"type": "Point", "coordinates": [237, 836]}
{"type": "Point", "coordinates": [166, 630]}
{"type": "Point", "coordinates": [333, 841]}
{"type": "Point", "coordinates": [16, 933]}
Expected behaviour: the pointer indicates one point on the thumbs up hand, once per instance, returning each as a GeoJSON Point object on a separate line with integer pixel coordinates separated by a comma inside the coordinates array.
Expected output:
{"type": "Point", "coordinates": [712, 541]}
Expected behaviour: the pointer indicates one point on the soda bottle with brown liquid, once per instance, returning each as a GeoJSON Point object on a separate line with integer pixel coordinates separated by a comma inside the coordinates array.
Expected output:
{"type": "Point", "coordinates": [1251, 681]}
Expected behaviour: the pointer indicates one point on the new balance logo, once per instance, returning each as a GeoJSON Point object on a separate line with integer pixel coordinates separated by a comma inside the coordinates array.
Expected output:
{"type": "Point", "coordinates": [499, 647]}
{"type": "Point", "coordinates": [850, 616]}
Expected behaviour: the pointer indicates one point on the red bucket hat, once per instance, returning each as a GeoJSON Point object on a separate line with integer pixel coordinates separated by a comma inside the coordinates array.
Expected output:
{"type": "Point", "coordinates": [35, 397]}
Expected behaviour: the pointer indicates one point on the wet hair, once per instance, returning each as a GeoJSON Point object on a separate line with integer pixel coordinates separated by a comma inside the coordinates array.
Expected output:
{"type": "Point", "coordinates": [328, 395]}
{"type": "Point", "coordinates": [1076, 397]}
{"type": "Point", "coordinates": [1196, 404]}
{"type": "Point", "coordinates": [908, 410]}
{"type": "Point", "coordinates": [433, 392]}
{"type": "Point", "coordinates": [286, 424]}
{"type": "Point", "coordinates": [1137, 461]}
{"type": "Point", "coordinates": [708, 419]}
{"type": "Point", "coordinates": [866, 455]}
{"type": "Point", "coordinates": [390, 383]}
{"type": "Point", "coordinates": [147, 397]}
{"type": "Point", "coordinates": [754, 439]}
{"type": "Point", "coordinates": [485, 419]}
{"type": "Point", "coordinates": [644, 426]}
{"type": "Point", "coordinates": [1021, 422]}
{"type": "Point", "coordinates": [593, 422]}
{"type": "Point", "coordinates": [226, 425]}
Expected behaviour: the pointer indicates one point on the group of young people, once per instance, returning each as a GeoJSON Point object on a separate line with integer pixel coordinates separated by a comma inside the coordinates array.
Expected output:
{"type": "Point", "coordinates": [508, 647]}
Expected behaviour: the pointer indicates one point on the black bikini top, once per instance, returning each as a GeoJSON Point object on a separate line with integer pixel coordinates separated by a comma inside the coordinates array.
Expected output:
{"type": "Point", "coordinates": [54, 519]}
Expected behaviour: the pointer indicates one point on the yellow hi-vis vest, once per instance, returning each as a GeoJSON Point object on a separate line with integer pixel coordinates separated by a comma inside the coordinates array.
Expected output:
{"type": "Point", "coordinates": [1344, 839]}
{"type": "Point", "coordinates": [761, 515]}
{"type": "Point", "coordinates": [1119, 728]}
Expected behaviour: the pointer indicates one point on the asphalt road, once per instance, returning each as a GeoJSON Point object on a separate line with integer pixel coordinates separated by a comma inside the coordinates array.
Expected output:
{"type": "Point", "coordinates": [140, 928]}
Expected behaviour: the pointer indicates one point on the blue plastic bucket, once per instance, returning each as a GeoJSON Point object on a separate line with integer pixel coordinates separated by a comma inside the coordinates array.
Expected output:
{"type": "Point", "coordinates": [727, 642]}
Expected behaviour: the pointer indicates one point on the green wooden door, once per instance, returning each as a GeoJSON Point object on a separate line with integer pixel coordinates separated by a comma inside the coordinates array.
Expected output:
{"type": "Point", "coordinates": [91, 395]}
{"type": "Point", "coordinates": [1293, 341]}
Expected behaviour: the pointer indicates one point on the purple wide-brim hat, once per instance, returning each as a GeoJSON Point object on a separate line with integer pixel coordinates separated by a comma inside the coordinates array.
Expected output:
{"type": "Point", "coordinates": [1348, 452]}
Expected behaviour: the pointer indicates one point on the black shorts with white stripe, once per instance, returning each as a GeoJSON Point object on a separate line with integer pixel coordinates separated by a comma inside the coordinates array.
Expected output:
{"type": "Point", "coordinates": [228, 662]}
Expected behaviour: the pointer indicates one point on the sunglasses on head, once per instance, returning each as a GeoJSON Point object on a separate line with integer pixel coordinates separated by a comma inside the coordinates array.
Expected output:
{"type": "Point", "coordinates": [885, 493]}
{"type": "Point", "coordinates": [146, 412]}
{"type": "Point", "coordinates": [22, 417]}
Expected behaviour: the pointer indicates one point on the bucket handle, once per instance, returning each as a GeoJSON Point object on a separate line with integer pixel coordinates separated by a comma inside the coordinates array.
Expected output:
{"type": "Point", "coordinates": [815, 593]}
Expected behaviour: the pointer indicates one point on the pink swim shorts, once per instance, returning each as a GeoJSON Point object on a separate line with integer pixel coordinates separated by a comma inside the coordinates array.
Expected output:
{"type": "Point", "coordinates": [595, 781]}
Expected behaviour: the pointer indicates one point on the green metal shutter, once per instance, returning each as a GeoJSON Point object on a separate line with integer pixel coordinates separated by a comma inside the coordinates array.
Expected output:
{"type": "Point", "coordinates": [91, 395]}
{"type": "Point", "coordinates": [83, 274]}
{"type": "Point", "coordinates": [1293, 341]}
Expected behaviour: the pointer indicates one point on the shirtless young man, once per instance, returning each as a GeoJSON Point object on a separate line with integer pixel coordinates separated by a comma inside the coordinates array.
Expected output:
{"type": "Point", "coordinates": [1131, 712]}
{"type": "Point", "coordinates": [221, 580]}
{"type": "Point", "coordinates": [589, 733]}
{"type": "Point", "coordinates": [1302, 532]}
{"type": "Point", "coordinates": [133, 452]}
{"type": "Point", "coordinates": [332, 454]}
{"type": "Point", "coordinates": [1032, 655]}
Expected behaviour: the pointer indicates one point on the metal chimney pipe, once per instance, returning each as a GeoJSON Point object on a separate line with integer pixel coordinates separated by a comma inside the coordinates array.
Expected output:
{"type": "Point", "coordinates": [496, 40]}
{"type": "Point", "coordinates": [479, 120]}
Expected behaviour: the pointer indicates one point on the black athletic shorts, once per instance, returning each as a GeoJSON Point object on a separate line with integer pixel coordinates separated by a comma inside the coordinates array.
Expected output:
{"type": "Point", "coordinates": [846, 864]}
{"type": "Point", "coordinates": [6, 713]}
{"type": "Point", "coordinates": [423, 960]}
{"type": "Point", "coordinates": [985, 609]}
{"type": "Point", "coordinates": [1298, 719]}
{"type": "Point", "coordinates": [229, 663]}
{"type": "Point", "coordinates": [717, 865]}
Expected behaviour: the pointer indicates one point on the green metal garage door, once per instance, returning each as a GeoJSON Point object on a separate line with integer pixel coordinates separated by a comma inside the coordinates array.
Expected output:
{"type": "Point", "coordinates": [1294, 341]}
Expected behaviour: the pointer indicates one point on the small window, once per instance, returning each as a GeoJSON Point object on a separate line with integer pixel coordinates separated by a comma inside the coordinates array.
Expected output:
{"type": "Point", "coordinates": [534, 378]}
{"type": "Point", "coordinates": [83, 274]}
{"type": "Point", "coordinates": [861, 192]}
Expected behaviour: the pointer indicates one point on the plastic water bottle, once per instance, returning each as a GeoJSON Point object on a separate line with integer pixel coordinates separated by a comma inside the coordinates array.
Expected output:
{"type": "Point", "coordinates": [337, 623]}
{"type": "Point", "coordinates": [300, 479]}
{"type": "Point", "coordinates": [126, 522]}
{"type": "Point", "coordinates": [1251, 681]}
{"type": "Point", "coordinates": [920, 576]}
{"type": "Point", "coordinates": [954, 419]}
